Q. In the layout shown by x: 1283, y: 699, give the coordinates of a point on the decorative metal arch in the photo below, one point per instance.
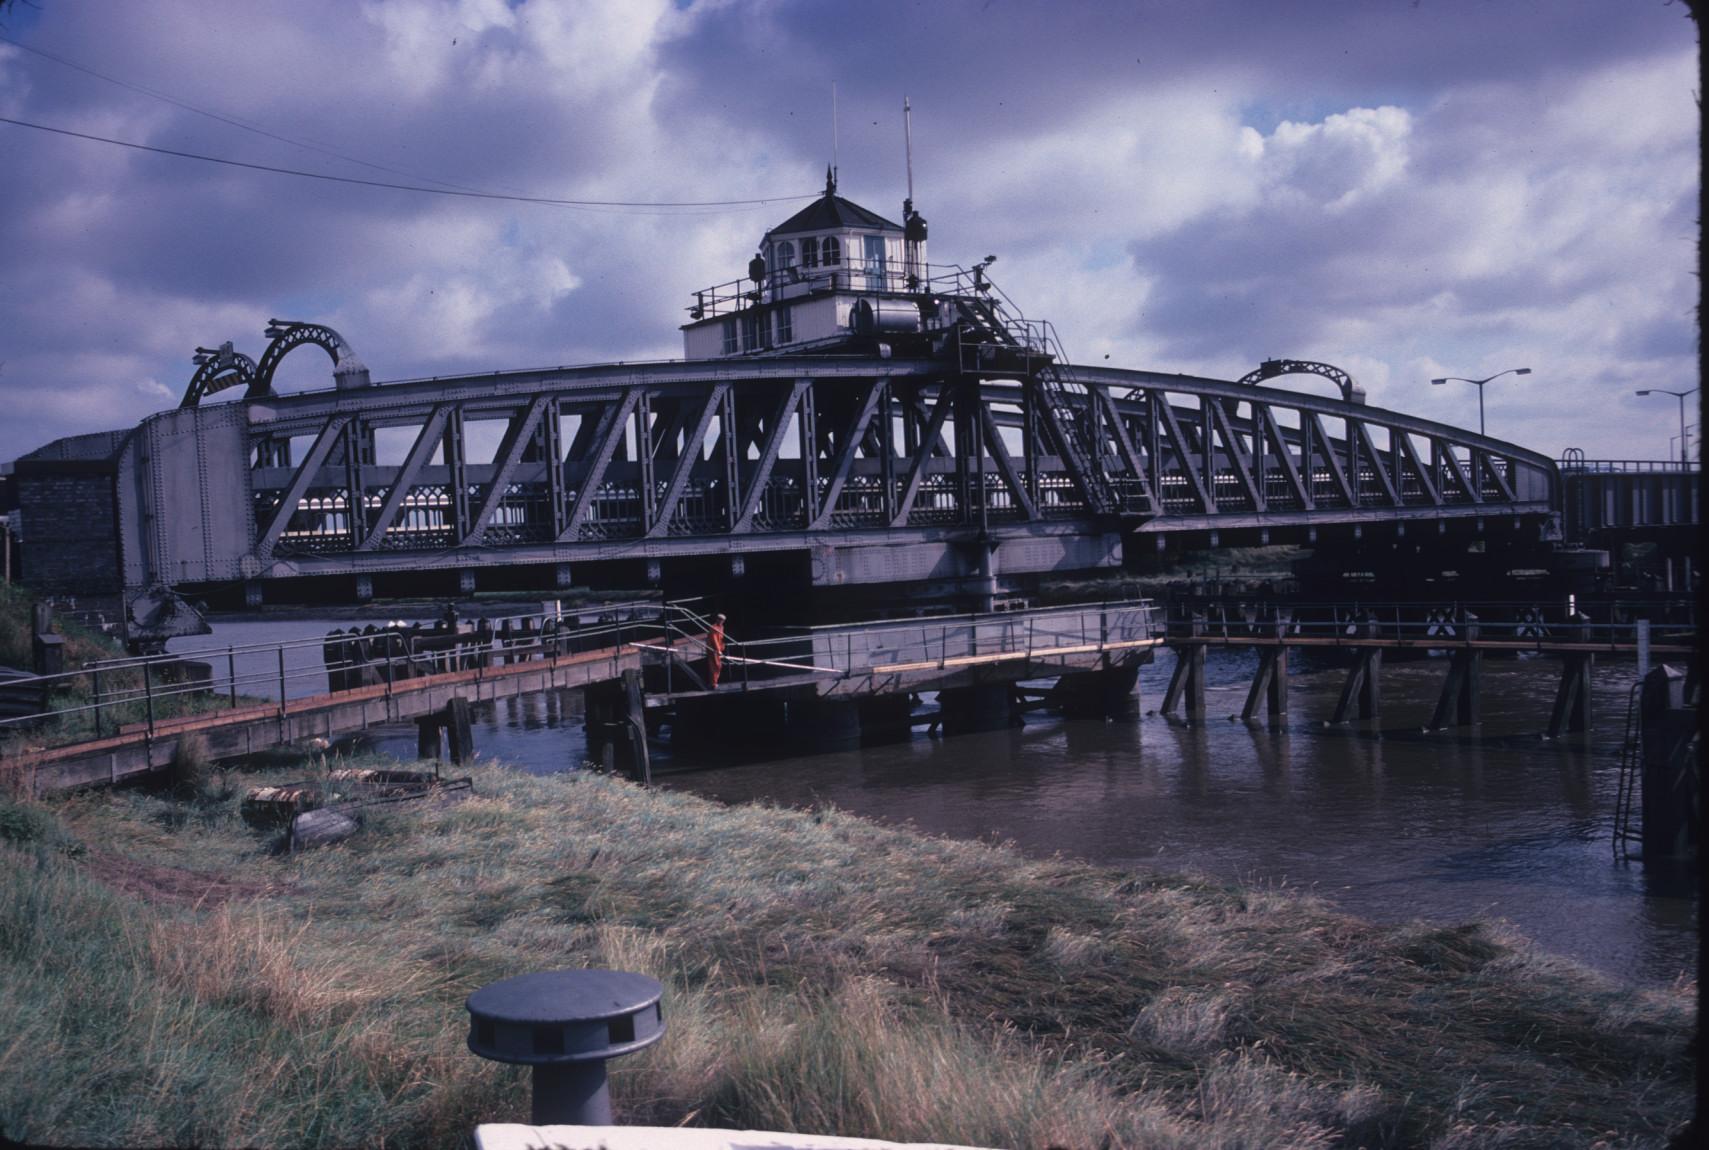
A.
x: 287, y: 335
x: 1270, y: 368
x: 217, y: 369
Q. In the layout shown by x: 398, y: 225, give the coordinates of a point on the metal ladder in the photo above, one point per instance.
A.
x: 1631, y: 766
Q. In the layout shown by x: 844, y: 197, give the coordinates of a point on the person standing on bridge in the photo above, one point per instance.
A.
x: 715, y: 651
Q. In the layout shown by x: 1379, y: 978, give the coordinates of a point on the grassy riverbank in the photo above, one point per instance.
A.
x: 165, y: 979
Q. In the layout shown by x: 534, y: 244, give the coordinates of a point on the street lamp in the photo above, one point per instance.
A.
x: 1679, y: 395
x: 1479, y: 384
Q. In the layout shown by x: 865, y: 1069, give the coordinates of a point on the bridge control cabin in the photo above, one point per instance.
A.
x: 832, y: 277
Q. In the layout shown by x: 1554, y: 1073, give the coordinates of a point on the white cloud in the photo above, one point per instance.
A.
x: 422, y: 40
x: 1334, y: 163
x: 1392, y: 238
x: 1185, y: 188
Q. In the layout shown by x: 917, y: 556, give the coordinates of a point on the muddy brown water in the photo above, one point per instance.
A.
x: 1383, y: 819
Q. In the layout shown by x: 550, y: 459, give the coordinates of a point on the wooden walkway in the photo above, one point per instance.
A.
x: 919, y: 674
x: 844, y: 662
x: 1361, y: 695
x: 247, y: 729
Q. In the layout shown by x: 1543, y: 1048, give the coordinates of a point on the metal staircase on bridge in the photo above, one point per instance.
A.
x: 984, y: 325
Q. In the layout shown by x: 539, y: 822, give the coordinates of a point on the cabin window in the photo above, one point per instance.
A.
x: 752, y: 328
x: 730, y: 347
x: 785, y: 325
x: 809, y: 253
x: 831, y: 252
x: 785, y: 257
x: 873, y: 257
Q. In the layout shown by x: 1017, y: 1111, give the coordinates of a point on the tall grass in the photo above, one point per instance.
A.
x: 822, y: 973
x: 16, y: 649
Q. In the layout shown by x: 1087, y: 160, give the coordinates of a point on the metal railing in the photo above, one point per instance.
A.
x: 125, y: 696
x: 1573, y: 465
x: 140, y: 695
x: 1534, y: 625
x: 854, y: 273
x: 924, y: 644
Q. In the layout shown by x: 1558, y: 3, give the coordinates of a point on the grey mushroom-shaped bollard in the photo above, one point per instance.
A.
x: 566, y: 1024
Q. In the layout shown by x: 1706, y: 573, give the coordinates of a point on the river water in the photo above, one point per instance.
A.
x: 1382, y: 819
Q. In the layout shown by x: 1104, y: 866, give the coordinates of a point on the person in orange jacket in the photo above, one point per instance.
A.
x: 715, y: 651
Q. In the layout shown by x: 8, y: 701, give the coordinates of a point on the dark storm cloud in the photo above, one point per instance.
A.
x: 1407, y: 188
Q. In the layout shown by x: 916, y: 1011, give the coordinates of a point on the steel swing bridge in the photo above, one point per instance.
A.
x: 976, y: 450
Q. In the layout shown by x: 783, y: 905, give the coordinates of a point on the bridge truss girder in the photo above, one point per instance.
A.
x: 776, y: 454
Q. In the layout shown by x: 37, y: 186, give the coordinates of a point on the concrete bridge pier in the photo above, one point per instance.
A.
x: 598, y: 716
x: 886, y: 718
x: 981, y: 707
x: 451, y: 727
x: 1109, y: 693
x: 1188, y: 681
x: 1457, y: 706
x: 1269, y: 685
x: 1364, y: 684
x: 1670, y: 798
x: 1571, y: 711
x: 818, y: 725
x: 718, y: 724
x: 616, y: 723
x: 1189, y: 677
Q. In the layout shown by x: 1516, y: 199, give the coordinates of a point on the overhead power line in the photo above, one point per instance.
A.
x: 466, y: 194
x: 225, y: 119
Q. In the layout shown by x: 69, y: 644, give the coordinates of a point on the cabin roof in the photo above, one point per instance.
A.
x: 830, y: 212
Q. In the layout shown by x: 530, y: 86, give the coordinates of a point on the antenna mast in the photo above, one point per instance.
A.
x: 908, y: 144
x: 833, y: 135
x: 913, y: 223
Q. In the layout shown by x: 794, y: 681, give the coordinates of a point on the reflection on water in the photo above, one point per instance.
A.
x: 1385, y: 820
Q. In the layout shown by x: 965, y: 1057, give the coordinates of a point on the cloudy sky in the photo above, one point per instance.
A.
x: 1405, y: 188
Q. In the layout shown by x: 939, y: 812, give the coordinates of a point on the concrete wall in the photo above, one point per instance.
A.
x: 68, y: 514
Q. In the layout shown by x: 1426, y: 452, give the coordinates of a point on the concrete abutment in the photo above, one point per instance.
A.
x: 980, y: 707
